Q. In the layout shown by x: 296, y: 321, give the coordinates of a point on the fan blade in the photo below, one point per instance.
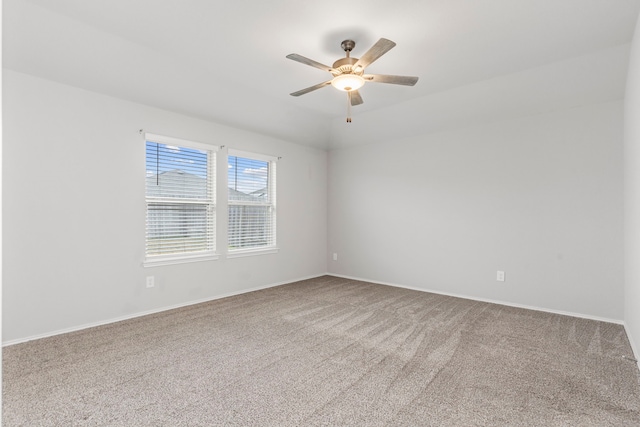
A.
x: 396, y: 80
x: 381, y: 47
x: 311, y: 88
x: 307, y: 61
x: 356, y: 99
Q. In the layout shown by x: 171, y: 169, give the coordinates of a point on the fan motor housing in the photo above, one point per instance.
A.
x: 345, y: 65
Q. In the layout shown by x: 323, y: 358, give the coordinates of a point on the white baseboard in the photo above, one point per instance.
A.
x: 505, y: 303
x: 634, y: 349
x: 147, y: 312
x: 230, y: 294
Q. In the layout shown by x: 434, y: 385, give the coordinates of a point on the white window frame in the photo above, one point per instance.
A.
x: 271, y: 204
x: 209, y: 254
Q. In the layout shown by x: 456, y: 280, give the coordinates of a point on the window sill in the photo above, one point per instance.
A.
x: 251, y: 252
x: 170, y: 260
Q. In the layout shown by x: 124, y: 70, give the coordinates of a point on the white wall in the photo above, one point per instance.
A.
x: 632, y: 195
x: 74, y: 212
x: 538, y: 197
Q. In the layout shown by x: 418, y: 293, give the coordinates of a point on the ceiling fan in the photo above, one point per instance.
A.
x: 348, y: 73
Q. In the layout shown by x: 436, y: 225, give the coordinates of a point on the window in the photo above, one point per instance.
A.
x: 180, y: 198
x: 252, y: 203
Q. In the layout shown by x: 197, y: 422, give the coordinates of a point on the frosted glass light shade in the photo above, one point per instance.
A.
x: 347, y: 82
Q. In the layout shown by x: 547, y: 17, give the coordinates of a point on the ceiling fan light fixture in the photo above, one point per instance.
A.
x: 347, y: 82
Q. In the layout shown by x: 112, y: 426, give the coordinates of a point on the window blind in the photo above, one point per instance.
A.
x: 252, y: 201
x: 180, y: 198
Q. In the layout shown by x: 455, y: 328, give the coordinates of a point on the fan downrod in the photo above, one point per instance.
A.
x: 347, y: 46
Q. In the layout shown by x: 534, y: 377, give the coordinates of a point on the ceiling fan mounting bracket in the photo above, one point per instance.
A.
x: 348, y: 46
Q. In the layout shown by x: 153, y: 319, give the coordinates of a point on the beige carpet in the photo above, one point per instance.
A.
x: 328, y: 351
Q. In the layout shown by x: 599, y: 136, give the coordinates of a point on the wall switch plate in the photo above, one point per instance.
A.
x: 335, y: 256
x: 150, y: 281
x: 500, y: 276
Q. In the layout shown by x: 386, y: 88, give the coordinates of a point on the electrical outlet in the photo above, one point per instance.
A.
x: 335, y: 256
x: 500, y: 276
x: 150, y: 281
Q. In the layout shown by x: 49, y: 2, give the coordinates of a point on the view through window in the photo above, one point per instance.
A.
x: 180, y: 199
x: 252, y: 213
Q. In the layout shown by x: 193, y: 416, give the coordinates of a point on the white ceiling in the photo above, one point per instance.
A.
x: 477, y: 60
